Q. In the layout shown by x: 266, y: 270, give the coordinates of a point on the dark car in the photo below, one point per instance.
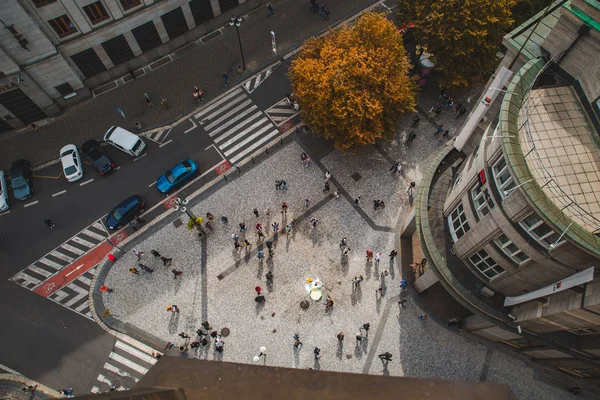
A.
x: 20, y: 179
x: 97, y: 157
x: 125, y: 211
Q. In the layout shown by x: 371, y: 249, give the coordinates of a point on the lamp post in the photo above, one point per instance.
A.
x: 263, y: 353
x: 237, y: 21
x: 181, y: 205
x: 561, y: 236
x: 509, y: 191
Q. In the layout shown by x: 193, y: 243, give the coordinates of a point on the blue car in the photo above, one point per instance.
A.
x: 125, y: 212
x: 177, y: 176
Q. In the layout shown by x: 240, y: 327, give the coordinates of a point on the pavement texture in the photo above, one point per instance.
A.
x: 197, y: 64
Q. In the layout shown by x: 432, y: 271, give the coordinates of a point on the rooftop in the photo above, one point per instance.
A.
x: 561, y: 141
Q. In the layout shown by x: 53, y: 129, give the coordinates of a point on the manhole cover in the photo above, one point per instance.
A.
x: 177, y: 223
x: 225, y: 332
x: 304, y: 304
x: 356, y: 176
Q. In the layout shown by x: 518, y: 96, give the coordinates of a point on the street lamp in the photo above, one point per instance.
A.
x: 263, y: 353
x: 561, y: 236
x: 181, y: 205
x: 236, y: 21
x: 509, y: 191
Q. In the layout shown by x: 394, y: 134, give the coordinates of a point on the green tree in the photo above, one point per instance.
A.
x: 463, y: 35
x: 353, y: 83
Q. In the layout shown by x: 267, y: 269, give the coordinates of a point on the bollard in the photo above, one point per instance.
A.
x: 281, y: 140
x: 267, y: 149
x: 252, y: 160
x: 225, y: 176
x: 238, y: 169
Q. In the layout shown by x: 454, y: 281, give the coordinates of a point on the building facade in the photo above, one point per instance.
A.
x: 53, y: 53
x: 509, y: 215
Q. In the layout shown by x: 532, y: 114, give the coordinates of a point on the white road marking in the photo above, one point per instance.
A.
x: 39, y: 271
x: 72, y: 249
x: 254, y: 146
x: 140, y: 157
x: 193, y: 127
x: 82, y: 242
x: 76, y: 269
x: 59, y: 193
x: 166, y: 143
x: 32, y: 203
x: 136, y: 352
x: 215, y: 131
x: 217, y: 103
x: 118, y: 168
x: 94, y: 235
x: 61, y: 256
x: 128, y: 363
x: 86, y: 182
x: 5, y: 212
x: 152, y: 184
x: 12, y: 371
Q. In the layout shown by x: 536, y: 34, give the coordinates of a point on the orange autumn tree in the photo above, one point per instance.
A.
x: 353, y: 84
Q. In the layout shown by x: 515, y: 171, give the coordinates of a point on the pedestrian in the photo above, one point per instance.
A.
x: 446, y: 134
x: 315, y: 7
x: 369, y: 254
x: 105, y: 288
x: 173, y: 308
x: 439, y: 129
x: 277, y: 185
x: 164, y: 103
x: 393, y: 254
x: 269, y: 277
x: 306, y: 203
x: 209, y: 216
x: 461, y: 112
x: 415, y: 122
x: 261, y: 235
x: 346, y: 252
x: 359, y: 337
x: 360, y: 279
x: 30, y: 388
x: 271, y: 11
x: 317, y: 353
x: 340, y: 336
x: 242, y: 226
x: 385, y: 357
x: 49, y: 223
x: 138, y: 254
x: 176, y: 273
x: 343, y: 242
x: 327, y: 14
x: 284, y: 207
x: 258, y: 289
x: 366, y: 326
x: 247, y: 244
x: 224, y: 219
x: 260, y: 299
x: 195, y: 345
x: 356, y: 200
x: 403, y: 284
x: 314, y: 221
x: 384, y: 273
x: 327, y: 188
x: 322, y: 10
x: 184, y: 335
x: 268, y: 212
x: 336, y: 194
x: 402, y: 303
x: 379, y: 292
x: 206, y: 325
x: 394, y: 165
x: 275, y: 226
x: 378, y: 257
x: 327, y: 176
x: 271, y: 252
x: 155, y: 253
x: 329, y: 303
x: 453, y: 321
x: 376, y: 204
x: 297, y: 342
x: 255, y: 211
x: 260, y: 255
x: 200, y: 333
x: 269, y: 244
x: 34, y: 127
x: 288, y: 229
x: 422, y: 317
x: 284, y: 185
x: 234, y: 237
x: 134, y: 271
x: 147, y: 98
x: 225, y: 79
x: 219, y: 343
x: 68, y: 392
x: 237, y: 245
x: 166, y: 261
x: 145, y: 268
x: 411, y: 136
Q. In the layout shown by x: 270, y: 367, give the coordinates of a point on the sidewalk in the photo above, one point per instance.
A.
x: 199, y: 64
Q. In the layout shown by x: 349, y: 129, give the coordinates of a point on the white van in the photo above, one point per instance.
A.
x: 125, y: 141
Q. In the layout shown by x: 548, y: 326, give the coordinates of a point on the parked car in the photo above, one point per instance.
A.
x: 20, y: 179
x: 3, y: 193
x: 97, y: 157
x: 125, y: 141
x: 177, y: 176
x: 71, y: 163
x: 125, y: 211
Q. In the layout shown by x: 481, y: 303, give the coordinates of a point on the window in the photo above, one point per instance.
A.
x: 127, y: 4
x: 509, y: 248
x: 486, y: 265
x: 65, y: 89
x: 41, y: 3
x: 456, y: 181
x: 539, y: 230
x: 62, y: 26
x: 586, y: 331
x: 504, y: 180
x: 480, y: 198
x: 96, y: 12
x: 457, y: 221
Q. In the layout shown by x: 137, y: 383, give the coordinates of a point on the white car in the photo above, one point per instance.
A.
x: 3, y: 193
x: 71, y: 163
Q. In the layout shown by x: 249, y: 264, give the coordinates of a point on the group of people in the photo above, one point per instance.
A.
x: 198, y: 94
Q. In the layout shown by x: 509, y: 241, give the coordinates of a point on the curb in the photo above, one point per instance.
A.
x: 26, y: 382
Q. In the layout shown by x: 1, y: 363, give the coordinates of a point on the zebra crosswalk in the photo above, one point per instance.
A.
x: 159, y: 136
x: 75, y: 295
x: 236, y: 125
x: 127, y: 363
x: 281, y: 112
x: 60, y: 257
x: 257, y: 79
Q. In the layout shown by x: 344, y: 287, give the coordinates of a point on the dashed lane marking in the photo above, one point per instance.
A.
x: 152, y: 184
x: 31, y: 204
x: 59, y: 193
x: 86, y: 182
x: 166, y: 143
x: 140, y: 157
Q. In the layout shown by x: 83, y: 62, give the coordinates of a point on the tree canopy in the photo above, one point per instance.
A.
x: 463, y: 35
x: 353, y: 83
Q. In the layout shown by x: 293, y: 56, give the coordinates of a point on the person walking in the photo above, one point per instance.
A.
x: 394, y: 165
x: 258, y: 289
x: 225, y: 79
x: 327, y: 188
x: 439, y: 129
x: 402, y: 303
x: 346, y: 252
x: 184, y: 335
x: 343, y: 242
x: 378, y: 257
x: 393, y: 254
x: 284, y: 185
x: 164, y: 103
x: 317, y: 353
x: 315, y: 7
x: 138, y: 254
x: 155, y: 253
x: 306, y: 203
x: 176, y: 273
x: 147, y: 99
x: 134, y: 271
x: 403, y: 284
x: 327, y: 13
x: 369, y: 253
x: 356, y: 201
x: 297, y: 342
x: 105, y: 288
x: 376, y: 204
x: 219, y: 343
x: 340, y: 336
x: 237, y: 246
x: 268, y: 212
x: 49, y: 223
x: 242, y: 226
x: 422, y: 317
x: 255, y: 211
x: 284, y: 208
x: 224, y: 219
x: 415, y: 122
x: 385, y: 357
x: 359, y: 337
x: 277, y: 185
x: 173, y: 308
x: 461, y: 112
x: 145, y: 268
x: 329, y: 303
x: 166, y: 261
x: 366, y: 326
x: 411, y: 136
x: 271, y: 10
x: 247, y: 244
x: 260, y: 234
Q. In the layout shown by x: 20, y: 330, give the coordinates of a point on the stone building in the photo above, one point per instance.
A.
x: 53, y: 53
x: 508, y: 217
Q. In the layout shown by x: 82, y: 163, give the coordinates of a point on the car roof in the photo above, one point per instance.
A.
x: 122, y: 136
x: 128, y: 201
x: 89, y: 145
